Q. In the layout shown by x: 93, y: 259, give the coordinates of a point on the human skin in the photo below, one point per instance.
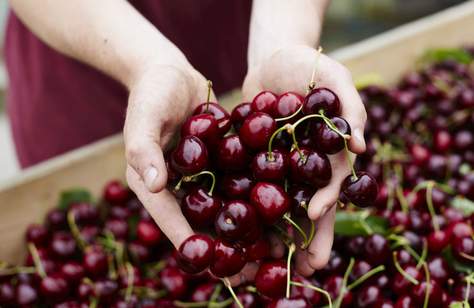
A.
x: 165, y: 88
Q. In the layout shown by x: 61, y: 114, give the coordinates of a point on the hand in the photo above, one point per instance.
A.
x: 290, y: 69
x: 161, y: 97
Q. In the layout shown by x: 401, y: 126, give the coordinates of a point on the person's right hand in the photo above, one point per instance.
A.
x: 161, y: 97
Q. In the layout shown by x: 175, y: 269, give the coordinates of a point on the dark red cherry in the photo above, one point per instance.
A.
x: 248, y: 300
x: 439, y: 269
x: 239, y: 114
x: 200, y: 208
x: 435, y: 293
x: 84, y: 213
x: 26, y: 295
x: 270, y: 279
x: 327, y: 140
x: 264, y: 102
x: 148, y: 233
x: 196, y: 253
x: 63, y: 245
x: 95, y: 261
x: 459, y: 230
x: 105, y: 290
x: 377, y: 250
x: 464, y: 140
x: 7, y: 294
x: 231, y: 154
x: 118, y: 227
x: 203, y: 126
x: 54, y: 288
x: 259, y: 250
x: 333, y: 285
x: 37, y: 234
x: 270, y: 166
x: 437, y: 166
x: 293, y: 302
x: 220, y: 114
x: 138, y: 252
x: 116, y: 193
x: 300, y: 196
x: 174, y: 281
x: 119, y: 212
x: 404, y: 257
x: 405, y: 301
x: 312, y: 296
x: 310, y: 167
x: 228, y: 260
x: 287, y: 104
x: 420, y: 154
x: 203, y: 292
x: 368, y: 296
x: 257, y: 130
x: 236, y: 186
x: 190, y: 156
x: 72, y: 271
x: 56, y: 219
x: 360, y: 268
x: 322, y: 99
x: 437, y: 241
x: 442, y: 141
x: 270, y: 200
x: 400, y: 285
x: 236, y: 221
x: 463, y: 248
x: 362, y: 191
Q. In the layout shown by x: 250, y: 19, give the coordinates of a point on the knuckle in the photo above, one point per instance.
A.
x: 133, y: 151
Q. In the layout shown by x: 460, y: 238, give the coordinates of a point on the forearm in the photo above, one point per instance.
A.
x: 276, y: 24
x: 110, y: 35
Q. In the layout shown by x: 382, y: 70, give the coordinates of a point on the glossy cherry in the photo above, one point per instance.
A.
x: 54, y: 288
x: 299, y: 197
x: 231, y: 154
x: 326, y: 139
x: 196, y: 253
x: 203, y: 126
x: 37, y: 235
x: 26, y: 295
x: 287, y: 104
x: 322, y: 99
x: 95, y: 261
x: 236, y: 186
x: 333, y: 286
x: 270, y: 201
x: 368, y: 296
x: 72, y: 271
x: 270, y: 166
x: 228, y: 260
x: 236, y: 220
x: 62, y: 245
x: 118, y: 227
x: 270, y: 279
x: 362, y: 191
x: 190, y: 156
x: 377, y: 250
x: 400, y: 285
x: 258, y: 250
x: 239, y: 114
x: 220, y: 114
x: 437, y: 241
x: 312, y: 296
x: 264, y: 102
x: 199, y: 208
x: 294, y: 302
x: 463, y: 249
x: 257, y: 130
x: 310, y: 167
x: 174, y: 281
x: 116, y: 193
x: 148, y: 233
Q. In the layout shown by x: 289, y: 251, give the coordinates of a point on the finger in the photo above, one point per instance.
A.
x: 327, y: 196
x: 251, y: 86
x: 320, y: 248
x: 277, y: 247
x: 301, y: 255
x: 247, y: 274
x: 163, y: 208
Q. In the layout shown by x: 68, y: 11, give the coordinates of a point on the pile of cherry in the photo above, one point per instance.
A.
x: 246, y: 176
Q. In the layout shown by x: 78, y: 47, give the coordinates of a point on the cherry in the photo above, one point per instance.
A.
x: 54, y: 288
x: 437, y: 241
x: 442, y: 141
x: 270, y: 166
x: 377, y: 250
x: 105, y: 290
x: 116, y: 193
x: 62, y: 245
x: 190, y: 156
x: 174, y: 282
x: 220, y: 114
x: 119, y: 212
x: 361, y: 191
x: 231, y: 154
x: 228, y: 260
x: 72, y: 271
x: 195, y: 253
x: 248, y: 300
x: 300, y: 197
x: 56, y: 219
x: 270, y: 201
x: 437, y: 166
x: 435, y: 293
x: 203, y: 292
x: 420, y: 154
x: 138, y: 251
x: 360, y: 268
x: 404, y: 257
x: 322, y: 99
x: 259, y: 250
x: 264, y: 102
x: 257, y: 130
x: 200, y: 208
x: 37, y: 235
x: 26, y: 295
x: 310, y: 167
x: 335, y: 265
x: 239, y: 114
x: 439, y: 269
x: 7, y: 294
x: 89, y: 233
x: 383, y: 303
x: 95, y: 261
x: 118, y: 227
x: 405, y: 301
x: 459, y: 230
x: 312, y: 296
x: 399, y: 219
x: 294, y: 302
x: 85, y: 290
x: 235, y: 221
x: 333, y: 285
x: 287, y: 104
x: 355, y: 245
x: 237, y: 186
x: 463, y: 248
x: 270, y: 279
x: 464, y: 140
x: 327, y: 140
x: 368, y: 296
x: 203, y: 126
x: 420, y: 221
x: 148, y: 233
x: 400, y: 285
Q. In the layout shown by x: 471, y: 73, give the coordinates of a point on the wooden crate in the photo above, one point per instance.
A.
x: 27, y: 198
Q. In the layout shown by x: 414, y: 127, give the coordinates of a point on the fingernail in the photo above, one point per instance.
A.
x: 359, y: 136
x: 150, y: 176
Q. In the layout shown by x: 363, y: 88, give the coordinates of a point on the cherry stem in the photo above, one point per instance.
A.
x: 285, y: 237
x: 402, y: 271
x: 130, y: 280
x: 428, y: 286
x: 17, y: 270
x: 366, y: 276
x: 215, y: 293
x: 291, y: 116
x: 308, y: 286
x: 312, y: 83
x: 305, y: 243
x: 270, y: 142
x: 112, y: 270
x: 36, y: 260
x: 93, y: 302
x: 344, y: 283
x: 429, y: 203
x: 291, y: 251
x: 209, y: 89
x: 469, y: 279
x: 423, y: 256
x: 71, y: 220
x: 231, y: 291
x: 208, y: 304
x: 466, y: 256
x: 189, y: 178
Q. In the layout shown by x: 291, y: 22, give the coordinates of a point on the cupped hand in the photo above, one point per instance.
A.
x: 290, y: 69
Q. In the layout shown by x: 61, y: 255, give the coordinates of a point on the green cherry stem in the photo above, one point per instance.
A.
x: 270, y: 142
x: 344, y: 283
x: 366, y: 276
x: 209, y: 89
x: 402, y: 271
x: 428, y: 286
x: 423, y: 256
x: 308, y: 286
x: 291, y: 116
x: 36, y: 260
x: 189, y: 178
x: 312, y: 83
x: 215, y: 294
x: 291, y: 251
x: 18, y: 270
x: 429, y: 203
x: 305, y: 243
x: 130, y: 280
x: 71, y: 220
x: 231, y: 291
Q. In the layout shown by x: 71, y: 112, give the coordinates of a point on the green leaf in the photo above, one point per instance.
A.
x: 442, y: 54
x: 73, y: 196
x: 358, y: 223
x: 459, y: 305
x: 454, y: 263
x: 463, y: 204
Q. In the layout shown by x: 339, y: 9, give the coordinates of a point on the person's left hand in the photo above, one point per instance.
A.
x: 290, y: 69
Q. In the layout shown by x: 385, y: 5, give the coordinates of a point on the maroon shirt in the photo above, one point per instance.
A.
x: 56, y: 104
